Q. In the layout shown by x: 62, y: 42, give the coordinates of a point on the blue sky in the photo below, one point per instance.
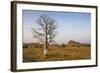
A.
x: 71, y: 25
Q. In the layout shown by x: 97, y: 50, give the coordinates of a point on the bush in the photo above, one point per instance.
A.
x: 63, y: 45
x: 25, y: 46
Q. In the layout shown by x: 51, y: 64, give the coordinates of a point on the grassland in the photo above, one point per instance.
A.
x: 56, y: 54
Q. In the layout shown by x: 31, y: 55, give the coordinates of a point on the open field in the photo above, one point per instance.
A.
x: 56, y: 54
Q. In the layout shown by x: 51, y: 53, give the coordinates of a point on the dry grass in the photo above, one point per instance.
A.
x: 56, y: 54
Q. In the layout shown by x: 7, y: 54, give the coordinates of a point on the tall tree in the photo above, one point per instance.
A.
x: 46, y: 31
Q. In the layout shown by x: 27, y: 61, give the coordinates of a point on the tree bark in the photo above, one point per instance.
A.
x: 46, y: 43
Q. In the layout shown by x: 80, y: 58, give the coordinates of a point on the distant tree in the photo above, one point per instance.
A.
x: 63, y: 45
x: 46, y: 31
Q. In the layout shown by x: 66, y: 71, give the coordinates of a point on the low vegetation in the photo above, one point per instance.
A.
x: 56, y: 53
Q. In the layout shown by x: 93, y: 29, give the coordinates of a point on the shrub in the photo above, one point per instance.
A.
x: 63, y: 45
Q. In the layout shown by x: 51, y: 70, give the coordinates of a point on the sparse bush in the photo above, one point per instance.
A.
x: 63, y: 45
x: 25, y: 46
x: 35, y: 46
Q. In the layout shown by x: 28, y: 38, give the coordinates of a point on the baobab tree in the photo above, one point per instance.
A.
x: 46, y: 31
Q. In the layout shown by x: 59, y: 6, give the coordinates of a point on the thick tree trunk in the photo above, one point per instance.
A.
x: 45, y: 46
x: 46, y: 42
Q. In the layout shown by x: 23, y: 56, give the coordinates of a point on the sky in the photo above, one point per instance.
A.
x: 71, y: 25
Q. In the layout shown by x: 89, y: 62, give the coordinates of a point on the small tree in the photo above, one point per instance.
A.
x: 63, y: 45
x: 46, y: 31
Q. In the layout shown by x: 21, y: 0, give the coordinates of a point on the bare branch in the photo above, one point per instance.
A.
x: 46, y: 31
